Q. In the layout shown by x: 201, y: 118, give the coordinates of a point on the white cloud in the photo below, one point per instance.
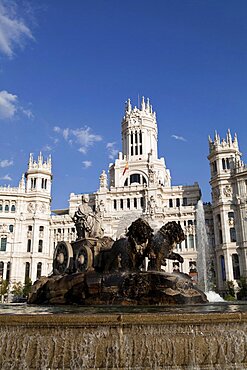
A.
x: 6, y: 177
x: 13, y: 30
x: 112, y: 151
x: 6, y: 163
x: 27, y: 112
x: 47, y: 148
x: 87, y: 164
x: 176, y: 137
x: 82, y: 137
x: 56, y: 129
x: 8, y: 104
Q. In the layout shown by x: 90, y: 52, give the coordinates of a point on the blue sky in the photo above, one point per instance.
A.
x: 67, y: 68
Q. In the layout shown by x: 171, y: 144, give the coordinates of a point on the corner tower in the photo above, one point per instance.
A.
x: 38, y: 175
x: 225, y: 159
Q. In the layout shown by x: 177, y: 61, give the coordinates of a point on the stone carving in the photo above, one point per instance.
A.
x: 216, y: 193
x: 103, y: 180
x: 163, y: 243
x: 227, y: 191
x: 127, y: 254
x: 87, y: 222
x: 100, y: 271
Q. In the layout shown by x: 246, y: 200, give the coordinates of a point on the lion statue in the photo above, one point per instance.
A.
x: 163, y: 243
x: 127, y: 254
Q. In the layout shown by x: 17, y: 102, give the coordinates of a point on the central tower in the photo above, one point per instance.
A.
x: 138, y: 163
x: 139, y: 131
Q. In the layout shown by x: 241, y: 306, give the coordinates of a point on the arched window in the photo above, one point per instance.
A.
x: 1, y: 207
x: 6, y: 208
x: 135, y: 203
x: 39, y: 270
x: 11, y: 228
x: 13, y: 208
x: 135, y: 178
x: 27, y: 270
x: 128, y: 202
x: 170, y: 203
x: 29, y: 243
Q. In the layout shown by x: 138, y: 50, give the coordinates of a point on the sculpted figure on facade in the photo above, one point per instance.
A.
x: 103, y: 180
x: 87, y: 222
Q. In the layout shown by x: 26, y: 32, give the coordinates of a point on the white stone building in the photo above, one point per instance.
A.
x: 25, y: 224
x: 229, y: 209
x: 139, y: 185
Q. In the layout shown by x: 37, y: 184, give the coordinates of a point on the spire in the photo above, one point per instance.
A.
x: 30, y: 162
x: 22, y: 182
x: 235, y: 141
x: 128, y: 106
x: 148, y: 105
x: 143, y: 104
x: 40, y: 159
x: 229, y: 137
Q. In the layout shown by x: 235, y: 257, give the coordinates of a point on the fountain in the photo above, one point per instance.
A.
x: 205, y: 257
x: 124, y: 317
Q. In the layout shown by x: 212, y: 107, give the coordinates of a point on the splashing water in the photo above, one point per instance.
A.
x: 204, y: 257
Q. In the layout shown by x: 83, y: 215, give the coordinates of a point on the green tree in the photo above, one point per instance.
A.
x: 242, y: 294
x: 4, y: 287
x: 17, y: 289
x: 27, y: 286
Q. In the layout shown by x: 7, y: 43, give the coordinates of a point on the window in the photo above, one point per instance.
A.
x: 1, y: 268
x: 177, y: 202
x: 223, y: 163
x: 170, y: 203
x: 41, y: 228
x: 8, y: 271
x: 30, y: 228
x: 115, y: 204
x: 135, y: 178
x: 128, y: 203
x: 135, y: 203
x: 214, y: 167
x: 13, y: 208
x: 39, y: 269
x: 121, y: 203
x: 142, y: 202
x: 185, y: 202
x: 191, y: 241
x: 235, y: 266
x: 3, y: 244
x: 192, y: 266
x: 27, y: 270
x: 11, y: 228
x: 29, y: 243
x: 40, y: 247
x: 223, y: 269
x: 126, y: 183
x: 6, y: 208
x: 1, y: 207
x: 233, y: 234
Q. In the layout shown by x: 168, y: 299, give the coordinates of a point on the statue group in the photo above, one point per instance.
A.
x: 128, y: 253
x: 95, y: 269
